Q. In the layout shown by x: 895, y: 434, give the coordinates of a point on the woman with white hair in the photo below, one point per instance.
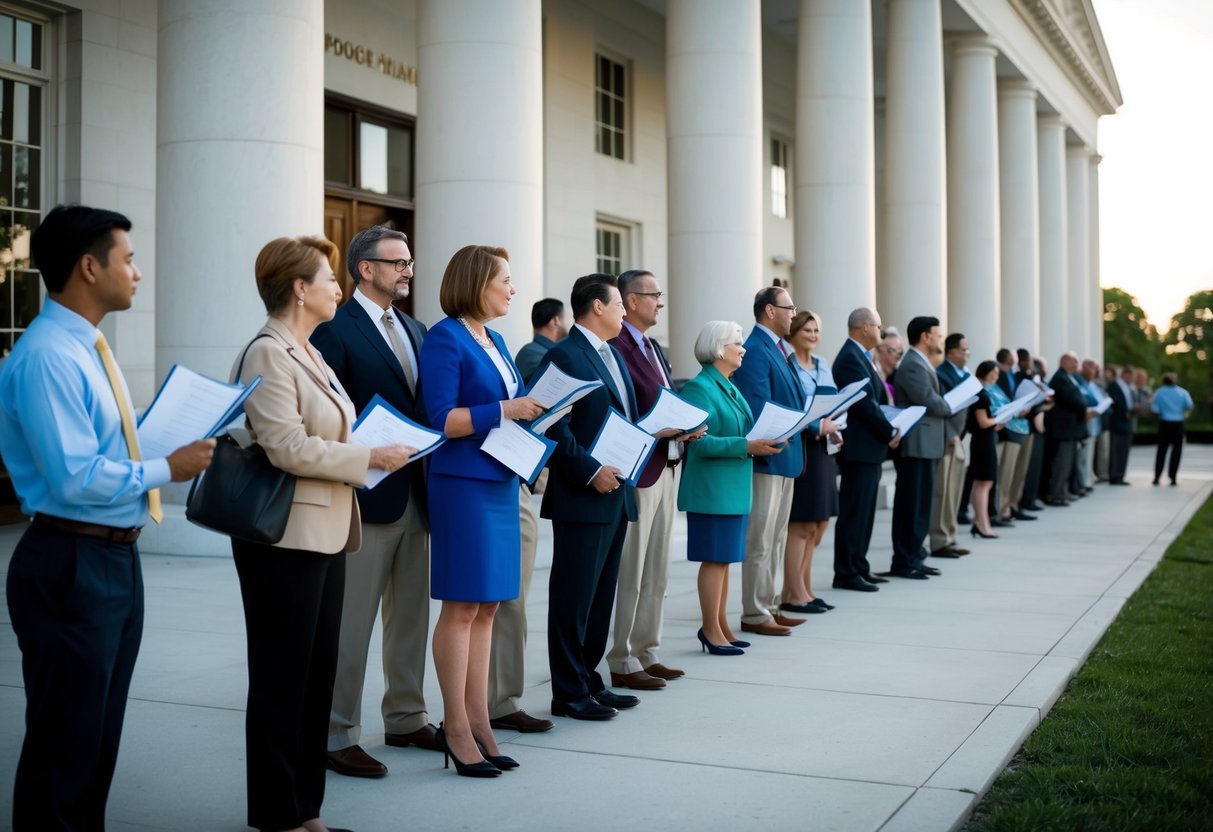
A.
x: 715, y: 490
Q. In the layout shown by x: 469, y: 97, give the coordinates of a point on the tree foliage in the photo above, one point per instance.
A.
x: 1129, y: 338
x: 1187, y: 347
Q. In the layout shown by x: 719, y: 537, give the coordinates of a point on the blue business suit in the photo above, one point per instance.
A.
x: 475, y: 553
x: 587, y: 527
x: 765, y: 376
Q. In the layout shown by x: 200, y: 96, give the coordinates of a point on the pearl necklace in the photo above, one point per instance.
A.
x: 479, y: 339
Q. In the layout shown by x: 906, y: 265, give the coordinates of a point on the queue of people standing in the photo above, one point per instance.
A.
x: 460, y: 527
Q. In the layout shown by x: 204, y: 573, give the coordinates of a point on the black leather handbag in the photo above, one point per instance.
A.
x: 242, y: 494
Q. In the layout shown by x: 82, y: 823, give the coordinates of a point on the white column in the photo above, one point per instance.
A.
x: 835, y: 164
x: 480, y: 146
x: 1019, y: 214
x: 1096, y: 288
x: 1054, y: 298
x: 714, y: 167
x: 239, y: 161
x: 913, y: 280
x: 973, y: 230
x: 1078, y: 249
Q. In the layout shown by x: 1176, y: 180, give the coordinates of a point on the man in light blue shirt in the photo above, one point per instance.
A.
x: 75, y: 592
x: 1172, y: 403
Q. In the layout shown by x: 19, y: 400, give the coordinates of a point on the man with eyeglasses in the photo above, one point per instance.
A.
x: 887, y: 355
x: 373, y: 348
x: 765, y: 376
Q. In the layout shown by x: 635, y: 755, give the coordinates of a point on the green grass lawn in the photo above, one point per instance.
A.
x: 1129, y: 746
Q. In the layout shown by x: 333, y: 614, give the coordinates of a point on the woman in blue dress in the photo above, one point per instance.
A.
x: 468, y: 385
x: 815, y: 492
x: 983, y: 454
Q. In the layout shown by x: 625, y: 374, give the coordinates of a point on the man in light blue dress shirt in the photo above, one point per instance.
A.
x: 75, y: 591
x: 1172, y: 403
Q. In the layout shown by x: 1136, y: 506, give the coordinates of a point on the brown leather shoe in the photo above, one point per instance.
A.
x: 766, y: 628
x: 424, y: 737
x: 354, y: 762
x: 523, y: 723
x: 662, y: 672
x: 640, y: 680
x: 786, y: 621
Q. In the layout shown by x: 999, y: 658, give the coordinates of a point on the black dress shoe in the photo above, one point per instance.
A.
x: 354, y: 762
x: 1057, y: 502
x: 817, y: 602
x: 930, y: 570
x: 858, y: 584
x: 912, y: 574
x: 875, y: 579
x: 587, y: 708
x: 618, y: 701
x: 1022, y: 515
x: 999, y: 523
x: 1033, y: 506
x: 945, y: 552
x: 806, y: 608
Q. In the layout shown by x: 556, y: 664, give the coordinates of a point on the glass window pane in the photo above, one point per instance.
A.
x: 23, y: 225
x: 617, y: 87
x: 337, y: 146
x: 6, y: 109
x: 6, y: 38
x: 27, y: 177
x: 372, y: 158
x: 26, y: 33
x: 617, y: 122
x: 21, y: 113
x: 25, y: 298
x: 399, y: 161
x: 6, y: 175
x: 604, y: 73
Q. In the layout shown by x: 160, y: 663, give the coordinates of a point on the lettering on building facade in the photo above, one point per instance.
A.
x: 365, y: 56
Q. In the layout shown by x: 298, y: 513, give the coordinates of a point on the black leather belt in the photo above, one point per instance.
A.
x: 110, y: 534
x: 673, y: 463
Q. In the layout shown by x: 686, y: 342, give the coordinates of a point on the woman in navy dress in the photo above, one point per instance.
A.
x: 469, y: 386
x: 982, y: 448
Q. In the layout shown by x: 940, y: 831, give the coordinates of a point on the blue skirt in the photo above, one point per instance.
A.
x: 716, y: 538
x: 475, y: 548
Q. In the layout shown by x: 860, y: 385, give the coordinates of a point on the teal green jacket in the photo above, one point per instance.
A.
x: 716, y: 478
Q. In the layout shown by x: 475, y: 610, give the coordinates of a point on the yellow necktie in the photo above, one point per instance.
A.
x: 128, y: 421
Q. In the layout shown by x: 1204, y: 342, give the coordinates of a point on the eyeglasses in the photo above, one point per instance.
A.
x: 791, y: 308
x: 657, y: 295
x: 400, y: 265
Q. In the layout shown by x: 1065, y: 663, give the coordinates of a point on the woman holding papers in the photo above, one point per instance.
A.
x: 715, y: 490
x: 984, y: 462
x: 293, y: 589
x: 815, y: 493
x: 475, y: 553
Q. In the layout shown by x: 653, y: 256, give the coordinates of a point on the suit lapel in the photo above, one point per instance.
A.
x: 328, y: 384
x: 363, y: 323
x: 599, y: 365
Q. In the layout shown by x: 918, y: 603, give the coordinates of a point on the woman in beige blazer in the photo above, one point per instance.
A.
x: 292, y: 590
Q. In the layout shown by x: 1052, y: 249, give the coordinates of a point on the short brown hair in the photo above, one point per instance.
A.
x: 466, y: 276
x: 801, y: 319
x: 286, y: 259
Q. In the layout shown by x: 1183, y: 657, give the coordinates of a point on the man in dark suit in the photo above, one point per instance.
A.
x: 765, y: 376
x: 643, y: 569
x: 1066, y: 425
x: 589, y: 506
x: 1120, y: 426
x: 950, y: 471
x: 547, y: 320
x: 916, y: 384
x: 373, y: 348
x: 869, y: 436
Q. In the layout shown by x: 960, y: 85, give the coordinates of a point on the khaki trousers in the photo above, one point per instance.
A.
x: 507, y: 653
x: 1008, y: 456
x: 1022, y: 463
x: 765, y: 539
x: 1103, y: 444
x: 945, y: 497
x: 643, y: 575
x: 393, y: 565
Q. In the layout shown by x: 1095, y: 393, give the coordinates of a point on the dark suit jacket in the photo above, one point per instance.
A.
x: 1121, y: 419
x: 765, y: 376
x: 1067, y: 419
x: 648, y: 384
x: 365, y: 365
x: 569, y: 497
x: 949, y: 377
x: 528, y: 358
x: 868, y: 432
x: 916, y: 384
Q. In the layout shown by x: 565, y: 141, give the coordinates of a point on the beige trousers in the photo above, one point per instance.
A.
x: 1022, y: 462
x: 1008, y: 456
x: 643, y: 575
x: 508, y: 651
x: 393, y: 565
x: 945, y: 497
x: 765, y: 539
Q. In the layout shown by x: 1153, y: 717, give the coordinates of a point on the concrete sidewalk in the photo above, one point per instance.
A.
x: 892, y: 712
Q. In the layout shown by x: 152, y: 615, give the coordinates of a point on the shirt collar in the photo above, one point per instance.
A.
x: 636, y: 334
x: 75, y: 323
x: 769, y: 333
x: 594, y: 340
x: 374, y: 310
x: 866, y: 352
x: 923, y: 355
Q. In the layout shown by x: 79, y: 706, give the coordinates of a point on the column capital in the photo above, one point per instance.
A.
x: 1050, y: 120
x: 1016, y: 88
x: 973, y: 44
x: 1096, y: 159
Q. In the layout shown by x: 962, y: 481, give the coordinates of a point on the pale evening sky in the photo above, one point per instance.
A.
x: 1156, y: 177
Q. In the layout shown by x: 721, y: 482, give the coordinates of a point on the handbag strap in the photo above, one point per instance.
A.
x: 240, y: 368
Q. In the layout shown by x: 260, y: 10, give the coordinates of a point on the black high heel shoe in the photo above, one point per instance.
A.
x: 718, y: 649
x: 500, y: 760
x: 481, y: 769
x: 976, y: 532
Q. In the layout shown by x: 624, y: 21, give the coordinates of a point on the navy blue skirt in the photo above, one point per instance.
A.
x: 475, y: 548
x: 716, y: 538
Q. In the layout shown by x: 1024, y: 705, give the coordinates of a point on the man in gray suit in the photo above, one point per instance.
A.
x: 915, y: 383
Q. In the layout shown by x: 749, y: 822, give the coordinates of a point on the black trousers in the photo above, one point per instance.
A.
x: 1170, y: 435
x: 912, y: 510
x: 1118, y: 455
x: 292, y: 613
x: 857, y: 490
x: 581, y: 594
x: 76, y: 605
x: 1031, y: 482
x: 1065, y: 457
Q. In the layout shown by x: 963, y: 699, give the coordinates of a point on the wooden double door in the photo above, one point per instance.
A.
x: 346, y: 216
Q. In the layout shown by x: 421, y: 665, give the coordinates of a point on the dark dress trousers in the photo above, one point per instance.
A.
x: 916, y: 384
x: 587, y: 527
x: 865, y: 448
x: 1066, y: 426
x: 1120, y: 426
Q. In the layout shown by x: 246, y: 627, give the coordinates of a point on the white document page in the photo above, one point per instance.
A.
x: 672, y: 411
x: 518, y: 449
x: 903, y: 418
x: 1104, y: 404
x: 777, y: 422
x: 188, y: 406
x: 380, y: 424
x: 963, y: 394
x: 623, y: 445
x: 554, y: 387
x: 541, y: 425
x: 835, y: 404
x: 1007, y: 412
